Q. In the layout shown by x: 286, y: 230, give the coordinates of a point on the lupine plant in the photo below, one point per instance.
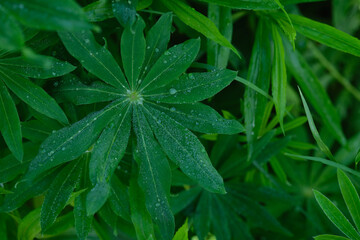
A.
x: 173, y: 119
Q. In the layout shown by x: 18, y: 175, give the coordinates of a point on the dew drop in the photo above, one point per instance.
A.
x: 172, y: 91
x: 172, y: 109
x: 157, y: 50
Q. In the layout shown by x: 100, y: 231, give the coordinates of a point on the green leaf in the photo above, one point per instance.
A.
x: 140, y: 217
x: 259, y: 75
x: 133, y: 51
x: 314, y: 91
x: 171, y: 64
x: 97, y: 197
x: 185, y: 150
x: 59, y: 193
x: 43, y: 67
x: 199, y: 117
x: 70, y: 142
x: 74, y: 91
x: 199, y: 22
x: 11, y: 37
x: 326, y: 162
x: 314, y: 131
x: 105, y: 157
x: 10, y: 167
x: 125, y: 12
x: 119, y: 199
x: 330, y: 237
x: 95, y: 58
x: 48, y: 15
x: 157, y: 39
x: 29, y: 226
x: 278, y: 76
x: 24, y: 191
x: 193, y: 87
x: 82, y: 221
x: 326, y: 35
x: 154, y: 175
x: 350, y: 196
x: 10, y: 123
x: 336, y: 216
x: 184, y: 199
x: 217, y: 55
x: 202, y: 216
x: 246, y: 4
x: 182, y: 232
x: 33, y: 95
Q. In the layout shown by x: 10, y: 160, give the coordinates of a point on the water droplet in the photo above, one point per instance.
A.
x: 165, y: 61
x: 129, y: 2
x: 167, y: 53
x: 56, y: 84
x: 148, y: 47
x: 191, y: 76
x: 157, y: 204
x: 87, y: 41
x: 63, y: 148
x: 172, y: 91
x: 172, y: 109
x: 53, y: 73
x: 157, y: 50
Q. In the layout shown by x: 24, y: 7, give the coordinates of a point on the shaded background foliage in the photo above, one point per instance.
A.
x: 269, y: 178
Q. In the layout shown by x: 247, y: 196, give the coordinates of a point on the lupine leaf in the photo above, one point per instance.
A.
x: 59, y: 193
x: 33, y: 95
x: 133, y: 51
x: 10, y: 123
x: 193, y: 87
x: 156, y: 41
x: 335, y: 216
x: 200, y: 117
x: 350, y: 196
x: 48, y: 15
x: 185, y: 150
x: 45, y: 67
x: 95, y: 58
x: 72, y: 90
x: 171, y: 64
x: 70, y: 142
x: 154, y: 175
x: 106, y: 156
x: 125, y: 11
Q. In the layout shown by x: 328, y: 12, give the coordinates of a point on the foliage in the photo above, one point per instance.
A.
x: 121, y: 119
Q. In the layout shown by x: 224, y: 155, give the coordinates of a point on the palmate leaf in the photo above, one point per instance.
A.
x: 155, y: 124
